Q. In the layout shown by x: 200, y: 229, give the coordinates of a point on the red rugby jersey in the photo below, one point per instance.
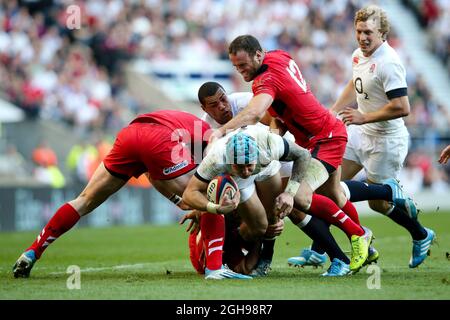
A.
x: 305, y: 117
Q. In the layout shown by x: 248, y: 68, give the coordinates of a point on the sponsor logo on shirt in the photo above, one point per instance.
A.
x: 372, y: 68
x: 179, y: 166
x: 355, y: 60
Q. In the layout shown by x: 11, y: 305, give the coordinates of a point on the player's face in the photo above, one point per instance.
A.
x: 218, y: 107
x: 368, y: 36
x: 247, y: 66
x: 243, y: 171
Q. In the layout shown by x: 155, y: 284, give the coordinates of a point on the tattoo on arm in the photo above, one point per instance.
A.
x: 301, y: 158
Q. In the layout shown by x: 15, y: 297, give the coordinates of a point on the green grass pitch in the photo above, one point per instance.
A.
x: 152, y: 262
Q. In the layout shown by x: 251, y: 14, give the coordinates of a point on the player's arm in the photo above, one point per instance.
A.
x: 396, y: 108
x: 346, y: 99
x: 301, y: 158
x: 266, y: 119
x: 171, y: 189
x: 251, y: 114
x: 195, y: 196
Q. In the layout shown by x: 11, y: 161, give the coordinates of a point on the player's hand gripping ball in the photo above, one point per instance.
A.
x: 219, y: 187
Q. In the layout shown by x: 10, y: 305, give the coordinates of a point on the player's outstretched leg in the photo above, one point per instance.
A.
x: 98, y: 189
x: 64, y: 219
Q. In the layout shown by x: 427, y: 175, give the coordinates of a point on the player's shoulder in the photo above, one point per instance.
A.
x: 389, y: 63
x: 209, y: 120
x: 278, y: 53
x: 236, y: 96
x: 255, y: 129
x: 356, y: 53
x: 239, y: 100
x: 272, y: 69
x: 276, y: 57
x: 215, y: 155
x: 386, y: 55
x: 260, y: 133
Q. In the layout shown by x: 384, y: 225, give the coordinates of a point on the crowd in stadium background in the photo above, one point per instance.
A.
x: 75, y: 77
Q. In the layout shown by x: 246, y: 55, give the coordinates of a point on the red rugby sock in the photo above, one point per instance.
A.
x: 212, y: 227
x: 350, y: 210
x: 326, y: 209
x: 64, y: 219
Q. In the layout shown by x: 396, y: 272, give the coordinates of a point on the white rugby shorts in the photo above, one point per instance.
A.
x: 381, y: 157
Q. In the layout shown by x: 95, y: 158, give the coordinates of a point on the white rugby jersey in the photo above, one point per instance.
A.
x: 238, y: 101
x: 271, y: 147
x: 376, y: 78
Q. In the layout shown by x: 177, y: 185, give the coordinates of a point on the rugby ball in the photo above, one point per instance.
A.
x: 220, y: 186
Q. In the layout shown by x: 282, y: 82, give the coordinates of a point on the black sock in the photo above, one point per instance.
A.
x: 316, y: 246
x: 323, y: 240
x: 402, y: 218
x: 360, y: 191
x: 267, y: 249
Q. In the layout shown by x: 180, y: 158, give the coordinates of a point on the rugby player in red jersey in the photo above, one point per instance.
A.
x: 278, y: 87
x: 162, y: 144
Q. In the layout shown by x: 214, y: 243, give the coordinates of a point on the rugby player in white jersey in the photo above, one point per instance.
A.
x: 251, y: 155
x: 220, y: 108
x: 377, y: 135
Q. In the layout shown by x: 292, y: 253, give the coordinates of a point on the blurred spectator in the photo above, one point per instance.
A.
x: 77, y: 76
x: 426, y: 11
x: 13, y: 164
x: 434, y: 16
x: 49, y: 175
x: 78, y: 159
x: 46, y: 169
x: 141, y: 182
x: 44, y: 156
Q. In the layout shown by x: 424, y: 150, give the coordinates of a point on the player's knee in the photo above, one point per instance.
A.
x: 303, y: 201
x: 257, y: 232
x: 303, y: 198
x: 337, y: 194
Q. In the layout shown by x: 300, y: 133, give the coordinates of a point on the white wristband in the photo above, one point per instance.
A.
x: 292, y: 187
x: 212, y: 207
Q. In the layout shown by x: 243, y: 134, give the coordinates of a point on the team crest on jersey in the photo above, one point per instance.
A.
x: 179, y: 166
x: 355, y: 60
x: 372, y: 68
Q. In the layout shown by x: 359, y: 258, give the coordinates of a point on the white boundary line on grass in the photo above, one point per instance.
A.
x: 161, y: 264
x: 118, y: 267
x: 122, y: 267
